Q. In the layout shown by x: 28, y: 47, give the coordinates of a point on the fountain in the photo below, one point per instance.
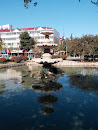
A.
x: 46, y: 46
x: 47, y: 77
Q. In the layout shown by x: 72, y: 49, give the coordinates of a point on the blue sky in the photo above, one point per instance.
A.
x: 66, y: 16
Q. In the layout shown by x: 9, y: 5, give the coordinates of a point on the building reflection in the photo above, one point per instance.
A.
x: 10, y: 74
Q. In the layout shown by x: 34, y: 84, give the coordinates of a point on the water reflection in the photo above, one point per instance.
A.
x: 23, y: 104
x: 83, y: 78
x: 84, y: 82
x: 18, y: 75
x: 2, y: 87
x: 10, y: 74
x: 48, y: 101
x: 47, y: 87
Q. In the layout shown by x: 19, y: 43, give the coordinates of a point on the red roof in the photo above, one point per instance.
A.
x: 7, y: 30
x: 20, y: 29
x: 46, y: 28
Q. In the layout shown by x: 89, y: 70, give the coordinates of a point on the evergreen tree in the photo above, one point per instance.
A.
x: 26, y: 41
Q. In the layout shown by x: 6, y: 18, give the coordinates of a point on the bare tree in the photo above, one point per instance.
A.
x: 96, y: 3
x: 26, y: 2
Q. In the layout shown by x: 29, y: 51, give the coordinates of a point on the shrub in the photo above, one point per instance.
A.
x: 62, y: 56
x: 24, y: 58
x: 16, y: 59
x: 54, y: 56
x: 2, y: 60
x: 37, y: 56
x: 13, y: 58
x: 19, y: 59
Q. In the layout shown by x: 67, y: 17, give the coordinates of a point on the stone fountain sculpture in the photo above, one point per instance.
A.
x: 46, y: 46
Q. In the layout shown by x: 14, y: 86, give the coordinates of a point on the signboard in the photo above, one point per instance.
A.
x: 14, y: 51
x: 17, y: 51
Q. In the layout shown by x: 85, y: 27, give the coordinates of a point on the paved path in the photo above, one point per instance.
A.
x: 66, y: 63
x: 11, y: 65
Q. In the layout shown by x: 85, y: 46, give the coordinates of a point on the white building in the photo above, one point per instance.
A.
x: 6, y: 27
x: 10, y: 37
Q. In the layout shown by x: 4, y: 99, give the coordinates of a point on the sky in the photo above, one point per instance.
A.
x: 66, y: 16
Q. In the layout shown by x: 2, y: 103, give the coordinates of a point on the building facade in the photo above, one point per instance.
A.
x: 6, y: 27
x: 10, y: 37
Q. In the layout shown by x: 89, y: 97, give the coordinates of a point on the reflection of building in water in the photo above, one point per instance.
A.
x: 34, y: 68
x: 48, y: 100
x: 10, y: 74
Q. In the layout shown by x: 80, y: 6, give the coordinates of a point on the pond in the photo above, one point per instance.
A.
x: 68, y: 103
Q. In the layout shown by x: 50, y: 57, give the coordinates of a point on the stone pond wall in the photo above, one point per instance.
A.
x: 12, y: 65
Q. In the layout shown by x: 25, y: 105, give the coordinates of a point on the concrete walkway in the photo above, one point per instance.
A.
x: 11, y: 65
x: 66, y: 63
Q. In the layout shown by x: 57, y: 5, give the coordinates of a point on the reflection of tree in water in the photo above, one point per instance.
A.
x: 27, y: 79
x: 47, y: 87
x: 47, y: 110
x: 30, y: 77
x: 2, y: 88
x: 83, y: 78
x: 85, y: 82
x: 47, y: 100
x: 75, y: 70
x: 52, y: 68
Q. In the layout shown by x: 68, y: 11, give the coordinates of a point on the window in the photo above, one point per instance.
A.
x: 9, y: 44
x: 14, y: 43
x: 18, y: 32
x: 42, y: 37
x: 38, y: 31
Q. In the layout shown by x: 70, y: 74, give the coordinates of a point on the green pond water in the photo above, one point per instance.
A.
x: 68, y: 103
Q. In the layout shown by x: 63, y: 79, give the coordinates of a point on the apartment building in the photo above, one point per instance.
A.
x: 6, y: 27
x: 10, y: 36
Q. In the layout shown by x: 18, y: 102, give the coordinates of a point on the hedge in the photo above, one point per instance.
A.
x: 19, y: 59
x: 2, y: 60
